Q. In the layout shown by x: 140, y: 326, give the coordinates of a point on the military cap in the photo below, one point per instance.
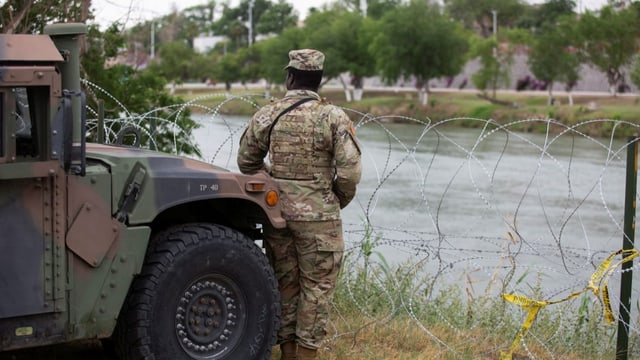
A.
x: 305, y: 59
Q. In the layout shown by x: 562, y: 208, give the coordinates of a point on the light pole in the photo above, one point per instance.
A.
x: 363, y: 7
x: 153, y: 39
x: 250, y: 22
x: 495, y: 23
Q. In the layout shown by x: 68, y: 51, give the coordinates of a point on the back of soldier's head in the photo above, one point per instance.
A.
x: 306, y: 66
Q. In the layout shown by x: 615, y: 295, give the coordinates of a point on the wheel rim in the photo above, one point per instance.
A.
x: 208, y: 322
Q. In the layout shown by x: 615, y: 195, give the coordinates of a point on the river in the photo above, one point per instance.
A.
x: 476, y: 205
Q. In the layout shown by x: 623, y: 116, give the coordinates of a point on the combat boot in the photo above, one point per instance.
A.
x: 289, y: 350
x: 307, y: 354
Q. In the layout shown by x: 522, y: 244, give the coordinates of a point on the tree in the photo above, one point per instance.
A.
x: 609, y: 40
x: 478, y: 13
x: 496, y: 57
x: 495, y: 65
x: 276, y: 18
x: 176, y: 62
x: 553, y: 56
x: 234, y: 21
x: 274, y: 55
x: 249, y: 59
x: 440, y: 50
x: 30, y: 16
x: 547, y: 13
x: 341, y: 35
x: 555, y: 9
x: 228, y: 69
x: 201, y: 16
x: 356, y: 51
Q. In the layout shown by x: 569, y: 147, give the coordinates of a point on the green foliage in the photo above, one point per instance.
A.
x: 30, y: 17
x: 553, y: 57
x: 178, y: 62
x: 228, y: 69
x: 276, y: 18
x: 274, y: 54
x: 376, y: 292
x: 320, y: 34
x: 342, y: 36
x: 482, y: 112
x: 267, y: 18
x: 478, y: 13
x: 141, y: 96
x: 137, y: 93
x: 201, y: 16
x: 439, y: 50
x: 546, y: 14
x: 490, y: 73
x: 497, y: 58
x: 518, y: 37
x: 609, y: 40
x: 249, y: 59
x: 368, y: 248
x: 100, y: 45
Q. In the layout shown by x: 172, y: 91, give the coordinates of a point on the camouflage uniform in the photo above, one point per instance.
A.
x: 315, y: 159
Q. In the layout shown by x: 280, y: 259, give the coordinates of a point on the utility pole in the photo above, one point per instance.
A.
x: 495, y: 23
x: 153, y: 39
x: 250, y: 22
x: 363, y: 7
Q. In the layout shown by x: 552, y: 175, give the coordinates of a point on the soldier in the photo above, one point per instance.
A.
x: 315, y: 158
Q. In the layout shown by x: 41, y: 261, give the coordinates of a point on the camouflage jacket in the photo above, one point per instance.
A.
x: 313, y: 192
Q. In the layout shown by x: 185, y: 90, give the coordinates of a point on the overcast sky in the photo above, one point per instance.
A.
x: 132, y: 11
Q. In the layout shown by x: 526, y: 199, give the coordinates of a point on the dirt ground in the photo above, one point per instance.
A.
x: 76, y: 351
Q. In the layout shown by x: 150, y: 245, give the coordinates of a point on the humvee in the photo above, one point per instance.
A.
x: 157, y: 254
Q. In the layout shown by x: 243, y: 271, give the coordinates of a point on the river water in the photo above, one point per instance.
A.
x: 478, y: 205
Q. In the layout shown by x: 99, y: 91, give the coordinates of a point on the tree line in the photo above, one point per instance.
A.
x: 417, y: 40
x: 397, y: 40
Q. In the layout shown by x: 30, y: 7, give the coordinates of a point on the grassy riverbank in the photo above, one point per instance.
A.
x: 445, y: 105
x: 394, y: 314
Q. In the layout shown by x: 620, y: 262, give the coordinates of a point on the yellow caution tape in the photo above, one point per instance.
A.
x: 598, y: 283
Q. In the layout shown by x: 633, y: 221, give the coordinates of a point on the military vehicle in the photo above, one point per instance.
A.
x: 156, y: 253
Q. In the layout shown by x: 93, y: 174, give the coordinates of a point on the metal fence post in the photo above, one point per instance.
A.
x: 622, y: 344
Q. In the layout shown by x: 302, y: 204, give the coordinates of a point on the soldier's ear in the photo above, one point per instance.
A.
x: 289, y: 80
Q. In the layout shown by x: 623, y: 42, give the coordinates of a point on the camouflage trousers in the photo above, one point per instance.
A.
x: 307, y: 256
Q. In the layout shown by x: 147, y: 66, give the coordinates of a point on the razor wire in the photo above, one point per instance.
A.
x: 458, y: 213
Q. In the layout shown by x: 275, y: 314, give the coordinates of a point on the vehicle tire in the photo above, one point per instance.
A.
x: 205, y: 292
